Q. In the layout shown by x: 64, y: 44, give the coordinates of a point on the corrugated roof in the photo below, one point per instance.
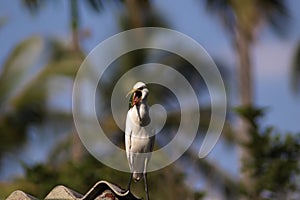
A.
x: 102, y: 190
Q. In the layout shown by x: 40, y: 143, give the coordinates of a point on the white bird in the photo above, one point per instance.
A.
x: 139, y: 140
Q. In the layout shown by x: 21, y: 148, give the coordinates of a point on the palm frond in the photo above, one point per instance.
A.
x: 32, y: 5
x: 276, y: 15
x: 18, y: 67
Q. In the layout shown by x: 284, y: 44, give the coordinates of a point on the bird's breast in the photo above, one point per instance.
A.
x: 140, y: 114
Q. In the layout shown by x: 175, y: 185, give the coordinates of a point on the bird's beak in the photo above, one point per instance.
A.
x: 130, y: 92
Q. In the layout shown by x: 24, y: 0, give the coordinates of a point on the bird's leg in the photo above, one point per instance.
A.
x: 129, y: 183
x: 146, y: 186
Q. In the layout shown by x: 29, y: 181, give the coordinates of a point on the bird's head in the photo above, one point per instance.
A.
x: 138, y: 93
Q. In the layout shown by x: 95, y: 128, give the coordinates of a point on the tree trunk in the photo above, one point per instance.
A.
x: 134, y: 12
x: 75, y: 25
x: 242, y: 42
x: 244, y: 68
x: 77, y: 147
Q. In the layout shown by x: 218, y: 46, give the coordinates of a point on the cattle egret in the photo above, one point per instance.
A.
x: 139, y: 139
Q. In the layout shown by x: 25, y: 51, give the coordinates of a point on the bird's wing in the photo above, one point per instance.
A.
x: 128, y: 133
x: 152, y: 141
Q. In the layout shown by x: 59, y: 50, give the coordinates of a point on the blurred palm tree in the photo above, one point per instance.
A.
x: 75, y: 25
x: 243, y: 20
x: 295, y: 72
x: 26, y: 83
x: 26, y: 76
x: 140, y: 13
x: 62, y: 64
x: 13, y: 124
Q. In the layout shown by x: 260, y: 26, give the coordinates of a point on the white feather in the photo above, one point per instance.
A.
x: 139, y: 138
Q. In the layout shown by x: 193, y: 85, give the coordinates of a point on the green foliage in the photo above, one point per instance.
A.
x: 274, y: 161
x: 249, y: 14
x: 274, y: 157
x: 24, y: 93
x: 16, y: 117
x: 32, y: 5
x: 141, y: 14
x: 41, y: 178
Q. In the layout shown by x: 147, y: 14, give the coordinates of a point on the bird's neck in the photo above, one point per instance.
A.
x: 142, y: 113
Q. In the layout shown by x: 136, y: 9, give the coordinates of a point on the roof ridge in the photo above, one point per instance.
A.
x: 102, y: 190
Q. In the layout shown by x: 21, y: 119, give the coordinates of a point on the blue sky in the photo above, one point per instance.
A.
x: 272, y: 56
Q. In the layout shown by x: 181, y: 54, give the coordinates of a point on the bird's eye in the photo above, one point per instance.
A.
x: 141, y: 88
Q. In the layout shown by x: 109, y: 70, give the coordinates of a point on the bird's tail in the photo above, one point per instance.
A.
x: 137, y: 176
